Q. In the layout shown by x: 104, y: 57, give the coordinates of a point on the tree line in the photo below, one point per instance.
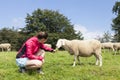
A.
x: 57, y: 25
x: 116, y: 21
x: 54, y: 23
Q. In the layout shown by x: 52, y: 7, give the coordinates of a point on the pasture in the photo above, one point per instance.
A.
x: 58, y: 66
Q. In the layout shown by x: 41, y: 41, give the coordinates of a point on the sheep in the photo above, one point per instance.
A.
x: 107, y: 45
x: 83, y: 48
x: 116, y: 47
x: 49, y: 45
x: 5, y: 46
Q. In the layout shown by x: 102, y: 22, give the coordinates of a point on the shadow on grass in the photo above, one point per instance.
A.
x: 29, y: 72
x: 77, y: 64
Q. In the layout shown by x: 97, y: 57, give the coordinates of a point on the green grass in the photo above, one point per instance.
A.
x: 58, y: 66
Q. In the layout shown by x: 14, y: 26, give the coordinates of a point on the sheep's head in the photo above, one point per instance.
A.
x: 60, y: 43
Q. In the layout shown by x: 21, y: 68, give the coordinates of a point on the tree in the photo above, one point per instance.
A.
x: 107, y: 37
x: 56, y: 24
x: 116, y: 8
x: 116, y: 21
x: 8, y: 35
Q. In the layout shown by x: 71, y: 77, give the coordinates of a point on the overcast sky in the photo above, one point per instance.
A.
x: 91, y: 17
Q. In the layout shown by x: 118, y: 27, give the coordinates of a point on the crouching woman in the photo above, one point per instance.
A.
x: 31, y: 54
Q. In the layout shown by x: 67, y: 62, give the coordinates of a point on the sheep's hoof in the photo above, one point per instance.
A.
x: 73, y: 65
x: 96, y: 64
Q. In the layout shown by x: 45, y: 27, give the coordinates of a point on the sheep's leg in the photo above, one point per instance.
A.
x: 100, y: 58
x: 75, y: 57
x: 104, y: 50
x: 78, y: 59
x: 97, y: 60
x: 115, y: 52
x: 113, y: 49
x: 2, y: 49
x: 118, y: 51
x: 109, y: 50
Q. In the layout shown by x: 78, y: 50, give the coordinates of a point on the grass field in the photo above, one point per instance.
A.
x: 58, y: 66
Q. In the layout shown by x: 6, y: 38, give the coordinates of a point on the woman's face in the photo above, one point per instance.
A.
x: 42, y: 40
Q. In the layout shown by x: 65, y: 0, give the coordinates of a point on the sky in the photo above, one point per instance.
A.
x: 92, y: 17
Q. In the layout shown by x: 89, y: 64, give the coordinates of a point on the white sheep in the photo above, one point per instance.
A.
x: 49, y: 45
x: 83, y: 48
x: 5, y: 46
x: 107, y: 45
x: 116, y: 47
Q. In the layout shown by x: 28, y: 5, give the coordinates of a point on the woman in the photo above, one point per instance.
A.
x: 31, y: 54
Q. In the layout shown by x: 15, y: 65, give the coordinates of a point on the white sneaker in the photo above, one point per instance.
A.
x: 41, y: 72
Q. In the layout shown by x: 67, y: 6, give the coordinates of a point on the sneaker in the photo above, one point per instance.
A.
x: 40, y: 71
x: 22, y: 70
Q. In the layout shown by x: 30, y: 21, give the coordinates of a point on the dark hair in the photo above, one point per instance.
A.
x: 42, y: 35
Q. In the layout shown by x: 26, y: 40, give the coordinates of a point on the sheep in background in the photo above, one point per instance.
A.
x: 5, y: 46
x: 116, y: 47
x: 49, y: 45
x: 83, y: 48
x: 107, y: 45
